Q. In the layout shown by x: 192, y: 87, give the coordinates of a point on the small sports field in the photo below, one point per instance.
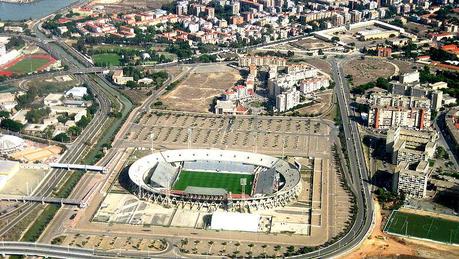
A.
x: 107, y: 59
x: 28, y: 64
x: 425, y: 227
x: 229, y: 182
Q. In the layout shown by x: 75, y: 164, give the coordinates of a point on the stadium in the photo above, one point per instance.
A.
x: 212, y: 179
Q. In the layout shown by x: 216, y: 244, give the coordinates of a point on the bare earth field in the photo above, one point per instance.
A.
x: 137, y: 96
x: 320, y: 64
x: 197, y: 91
x: 311, y: 44
x: 405, y: 66
x: 323, y: 105
x: 369, y: 69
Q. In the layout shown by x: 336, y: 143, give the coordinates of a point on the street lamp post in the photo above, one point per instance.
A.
x: 189, y: 137
x: 152, y: 139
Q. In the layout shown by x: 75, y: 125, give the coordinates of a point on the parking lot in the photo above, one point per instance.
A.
x: 270, y: 135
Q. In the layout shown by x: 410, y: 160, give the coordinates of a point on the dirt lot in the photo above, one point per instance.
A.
x: 137, y: 96
x: 197, y: 91
x: 367, y: 70
x: 320, y: 64
x: 321, y: 107
x: 405, y: 66
x: 382, y: 245
x: 311, y: 44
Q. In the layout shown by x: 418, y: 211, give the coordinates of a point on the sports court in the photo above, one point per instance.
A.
x: 228, y: 181
x: 424, y: 227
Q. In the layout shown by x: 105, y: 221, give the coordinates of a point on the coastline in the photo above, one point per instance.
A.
x: 17, y: 1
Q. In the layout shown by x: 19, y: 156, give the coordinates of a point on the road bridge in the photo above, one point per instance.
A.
x: 41, y: 199
x: 78, y: 167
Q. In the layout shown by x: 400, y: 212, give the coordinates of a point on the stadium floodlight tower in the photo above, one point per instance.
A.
x: 243, y: 182
x: 190, y: 130
x: 152, y: 139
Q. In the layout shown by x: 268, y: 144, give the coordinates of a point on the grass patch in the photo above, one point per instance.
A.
x: 227, y: 181
x: 35, y: 230
x: 107, y: 59
x: 28, y: 65
x: 425, y: 227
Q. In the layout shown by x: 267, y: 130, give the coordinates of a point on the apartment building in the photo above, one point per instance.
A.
x: 411, y: 180
x: 392, y: 110
x: 411, y: 146
x: 313, y: 84
x: 245, y: 61
x: 279, y: 83
x: 287, y: 100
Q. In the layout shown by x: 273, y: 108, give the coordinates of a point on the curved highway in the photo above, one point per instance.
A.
x: 364, y: 217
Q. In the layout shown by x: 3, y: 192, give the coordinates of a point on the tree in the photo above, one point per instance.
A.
x: 131, y: 84
x: 62, y: 137
x: 37, y: 115
x: 74, y: 131
x: 83, y: 122
x: 12, y: 125
x: 4, y: 114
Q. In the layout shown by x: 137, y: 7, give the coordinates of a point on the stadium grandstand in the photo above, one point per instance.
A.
x: 210, y: 179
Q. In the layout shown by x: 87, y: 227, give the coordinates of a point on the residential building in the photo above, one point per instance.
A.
x: 119, y: 78
x: 230, y: 108
x: 411, y: 146
x: 238, y: 92
x: 437, y: 100
x: 245, y: 61
x: 411, y: 180
x: 287, y: 100
x: 53, y: 99
x: 235, y: 8
x: 380, y: 117
x: 384, y: 51
x: 312, y: 84
x: 409, y: 78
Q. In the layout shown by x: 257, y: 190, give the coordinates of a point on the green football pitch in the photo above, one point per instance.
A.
x: 229, y: 182
x: 424, y: 227
x: 28, y: 65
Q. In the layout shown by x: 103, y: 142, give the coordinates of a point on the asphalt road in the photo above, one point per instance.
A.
x: 445, y: 139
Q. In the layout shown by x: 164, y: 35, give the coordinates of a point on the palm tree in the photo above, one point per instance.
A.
x: 237, y: 246
x: 196, y: 242
x: 211, y: 243
x: 184, y: 242
x: 264, y: 248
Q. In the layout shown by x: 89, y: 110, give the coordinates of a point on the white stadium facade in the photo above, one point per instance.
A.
x: 273, y: 182
x: 10, y: 144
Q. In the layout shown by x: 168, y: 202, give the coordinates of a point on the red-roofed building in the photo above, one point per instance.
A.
x: 63, y: 20
x: 451, y: 48
x: 384, y: 51
x: 440, y: 36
